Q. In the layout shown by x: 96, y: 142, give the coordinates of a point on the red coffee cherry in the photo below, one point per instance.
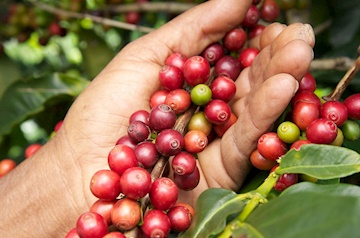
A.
x: 158, y: 98
x: 163, y: 193
x: 135, y: 183
x: 179, y: 100
x: 114, y: 234
x: 196, y: 70
x: 235, y: 39
x: 103, y: 208
x: 183, y: 163
x: 217, y: 111
x: 352, y: 103
x: 6, y: 165
x: 304, y: 113
x: 180, y: 218
x: 228, y: 66
x: 126, y: 140
x: 126, y: 214
x: 195, y: 141
x: 297, y: 144
x: 91, y: 225
x: 105, y: 184
x: 321, y: 131
x: 255, y: 31
x: 213, y: 52
x: 171, y: 77
x: 188, y: 182
x: 252, y: 17
x: 335, y: 111
x: 138, y: 131
x: 223, y: 88
x: 271, y: 146
x: 247, y: 56
x: 285, y: 181
x: 140, y: 115
x: 259, y: 162
x: 269, y: 10
x: 221, y: 129
x: 306, y: 96
x: 169, y: 142
x: 72, y: 234
x: 121, y: 157
x: 162, y: 117
x: 156, y: 224
x: 176, y: 59
x: 31, y: 149
x: 307, y: 83
x: 146, y: 154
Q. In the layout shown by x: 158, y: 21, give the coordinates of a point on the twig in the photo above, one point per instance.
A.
x: 97, y: 19
x: 344, y: 82
x: 322, y: 26
x: 341, y: 64
x: 169, y: 7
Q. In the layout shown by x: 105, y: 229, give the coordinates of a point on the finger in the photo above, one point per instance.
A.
x: 269, y: 34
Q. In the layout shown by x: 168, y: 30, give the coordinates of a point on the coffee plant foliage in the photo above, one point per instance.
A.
x: 44, y: 67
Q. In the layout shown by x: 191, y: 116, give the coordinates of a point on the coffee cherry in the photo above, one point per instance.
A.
x: 121, y: 157
x: 351, y: 130
x: 199, y: 122
x: 213, y: 52
x: 183, y: 163
x: 339, y: 138
x: 158, y: 98
x: 103, y: 208
x: 196, y: 70
x: 126, y: 214
x: 186, y: 206
x: 135, y: 183
x: 146, y: 154
x: 201, y: 94
x: 223, y: 88
x: 228, y: 66
x: 31, y: 149
x: 235, y: 39
x: 307, y: 83
x: 180, y: 218
x: 252, y: 17
x: 126, y: 140
x: 247, y: 56
x: 195, y: 141
x: 269, y: 10
x: 271, y: 146
x: 58, y: 125
x: 285, y: 181
x: 156, y: 224
x: 297, y: 144
x: 259, y: 162
x: 105, y: 184
x: 221, y: 129
x: 334, y: 111
x: 176, y: 59
x: 163, y: 193
x: 114, y: 234
x: 132, y: 17
x: 352, y: 103
x: 91, y: 225
x: 138, y: 131
x: 72, y: 234
x: 288, y: 132
x: 6, y: 165
x: 188, y: 182
x: 162, y: 117
x: 171, y: 77
x: 306, y: 96
x: 169, y: 142
x: 217, y: 111
x: 140, y: 115
x: 321, y: 131
x: 304, y: 113
x: 255, y: 31
x: 179, y: 100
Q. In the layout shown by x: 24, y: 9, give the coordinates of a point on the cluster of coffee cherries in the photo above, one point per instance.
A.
x: 310, y: 120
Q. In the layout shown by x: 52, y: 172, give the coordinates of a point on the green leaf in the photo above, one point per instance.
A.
x: 321, y: 161
x: 212, y: 208
x: 310, y: 210
x: 245, y: 228
x: 23, y: 99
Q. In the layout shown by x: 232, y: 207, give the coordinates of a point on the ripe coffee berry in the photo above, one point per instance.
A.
x: 304, y: 113
x: 285, y: 181
x: 352, y: 103
x: 176, y: 59
x: 297, y: 144
x: 321, y: 131
x: 163, y: 193
x: 162, y: 117
x: 196, y: 70
x: 195, y: 141
x: 180, y: 218
x: 135, y: 183
x: 126, y: 214
x: 138, y: 131
x: 146, y: 154
x: 121, y: 157
x: 201, y: 94
x: 114, y: 234
x: 103, y: 208
x: 228, y: 66
x: 259, y: 162
x: 217, y: 111
x: 105, y: 184
x: 213, y: 52
x: 6, y: 165
x: 169, y: 142
x: 255, y: 31
x: 31, y: 149
x: 334, y: 111
x: 183, y: 163
x: 223, y: 88
x: 188, y: 182
x: 126, y: 140
x: 179, y: 100
x: 171, y: 77
x: 158, y: 97
x: 140, y: 115
x: 235, y: 39
x: 269, y: 10
x: 91, y: 225
x: 252, y: 17
x: 307, y: 83
x: 156, y: 224
x: 271, y: 146
x: 247, y: 56
x: 72, y: 234
x: 306, y: 96
x: 221, y: 129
